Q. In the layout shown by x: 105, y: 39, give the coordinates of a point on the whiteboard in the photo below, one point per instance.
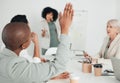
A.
x: 78, y: 30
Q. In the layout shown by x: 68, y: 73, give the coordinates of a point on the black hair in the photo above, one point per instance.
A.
x: 47, y: 10
x: 19, y: 18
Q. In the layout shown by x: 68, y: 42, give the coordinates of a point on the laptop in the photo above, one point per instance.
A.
x: 116, y: 67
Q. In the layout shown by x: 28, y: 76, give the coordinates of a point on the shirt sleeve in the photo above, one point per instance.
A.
x: 39, y: 72
x: 36, y: 60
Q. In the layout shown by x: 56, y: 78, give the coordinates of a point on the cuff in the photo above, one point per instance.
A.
x: 36, y: 60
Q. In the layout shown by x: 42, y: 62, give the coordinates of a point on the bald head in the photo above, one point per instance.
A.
x: 15, y: 34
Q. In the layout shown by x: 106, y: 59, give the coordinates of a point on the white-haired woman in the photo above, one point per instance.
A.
x: 111, y: 44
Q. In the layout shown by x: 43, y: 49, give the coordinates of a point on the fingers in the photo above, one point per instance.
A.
x: 60, y: 15
x: 33, y: 34
x: 66, y: 18
x: 72, y: 14
x: 43, y: 60
x: 65, y: 10
x: 43, y: 30
x: 63, y: 75
x: 34, y: 37
x: 85, y: 54
x: 68, y: 10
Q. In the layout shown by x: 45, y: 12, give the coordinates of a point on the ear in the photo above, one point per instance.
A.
x: 25, y: 45
x: 117, y: 32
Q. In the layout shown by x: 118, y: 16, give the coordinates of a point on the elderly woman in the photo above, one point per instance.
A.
x: 111, y: 44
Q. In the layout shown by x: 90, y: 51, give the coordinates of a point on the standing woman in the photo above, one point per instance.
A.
x: 50, y: 29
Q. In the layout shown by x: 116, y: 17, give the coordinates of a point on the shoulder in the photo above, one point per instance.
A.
x: 17, y: 60
x: 43, y: 21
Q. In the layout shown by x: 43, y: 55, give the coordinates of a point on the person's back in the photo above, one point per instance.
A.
x: 7, y: 74
x: 3, y: 64
x: 15, y: 69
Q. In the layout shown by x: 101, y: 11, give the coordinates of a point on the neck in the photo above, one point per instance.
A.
x: 113, y: 37
x: 17, y: 51
x: 49, y: 20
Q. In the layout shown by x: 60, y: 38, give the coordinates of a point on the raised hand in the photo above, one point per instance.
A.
x: 34, y: 38
x: 66, y: 18
x: 43, y: 32
x: 85, y: 54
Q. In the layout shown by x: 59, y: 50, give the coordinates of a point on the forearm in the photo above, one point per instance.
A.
x: 36, y: 51
x: 36, y: 55
x: 63, y: 53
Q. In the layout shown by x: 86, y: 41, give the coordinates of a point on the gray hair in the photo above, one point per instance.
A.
x: 115, y: 23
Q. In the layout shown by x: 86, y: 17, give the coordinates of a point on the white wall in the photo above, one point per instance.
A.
x: 99, y: 12
x: 118, y: 9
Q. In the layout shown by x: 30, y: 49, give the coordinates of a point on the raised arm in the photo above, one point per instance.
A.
x: 36, y: 54
x: 66, y: 18
x: 44, y: 71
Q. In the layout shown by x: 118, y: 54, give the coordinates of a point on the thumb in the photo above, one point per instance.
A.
x: 60, y: 15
